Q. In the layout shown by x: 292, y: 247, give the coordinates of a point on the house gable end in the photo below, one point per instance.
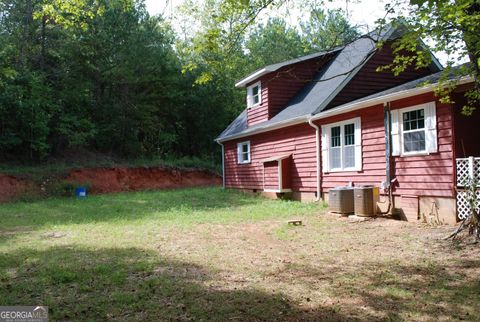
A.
x: 279, y: 87
x: 368, y: 80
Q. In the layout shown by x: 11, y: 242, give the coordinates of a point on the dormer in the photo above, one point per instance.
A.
x: 254, y: 95
x: 269, y: 89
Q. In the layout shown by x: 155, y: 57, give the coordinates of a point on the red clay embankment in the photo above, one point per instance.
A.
x: 105, y: 180
x: 12, y: 187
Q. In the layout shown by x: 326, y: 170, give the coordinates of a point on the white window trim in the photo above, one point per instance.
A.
x: 326, y: 132
x: 240, y: 153
x: 430, y: 128
x: 250, y: 95
x: 402, y: 131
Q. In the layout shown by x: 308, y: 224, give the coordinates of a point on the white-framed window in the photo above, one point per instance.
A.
x: 414, y: 130
x: 342, y: 146
x: 254, y: 94
x: 243, y: 152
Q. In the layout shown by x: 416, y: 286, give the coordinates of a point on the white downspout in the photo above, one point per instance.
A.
x: 317, y: 144
x: 223, y: 164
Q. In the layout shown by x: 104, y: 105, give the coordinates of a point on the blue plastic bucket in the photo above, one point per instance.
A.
x: 81, y: 192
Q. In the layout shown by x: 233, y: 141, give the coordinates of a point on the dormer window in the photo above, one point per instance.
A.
x: 254, y: 94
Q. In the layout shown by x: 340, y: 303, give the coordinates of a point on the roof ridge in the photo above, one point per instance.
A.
x: 274, y: 67
x: 383, y: 32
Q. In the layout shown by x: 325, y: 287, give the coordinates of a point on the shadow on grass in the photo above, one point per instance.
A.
x: 135, y: 285
x: 391, y: 291
x: 166, y: 204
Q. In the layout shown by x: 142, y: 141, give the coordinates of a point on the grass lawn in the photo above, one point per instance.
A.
x: 209, y: 254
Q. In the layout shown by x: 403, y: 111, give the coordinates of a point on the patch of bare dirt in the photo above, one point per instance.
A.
x: 104, y: 180
x: 376, y: 270
x: 10, y: 187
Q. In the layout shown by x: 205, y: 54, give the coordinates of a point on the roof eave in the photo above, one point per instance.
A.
x: 261, y: 129
x: 252, y: 77
x: 274, y: 67
x: 343, y: 109
x: 383, y: 99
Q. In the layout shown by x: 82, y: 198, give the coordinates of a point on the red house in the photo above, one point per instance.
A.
x: 330, y: 119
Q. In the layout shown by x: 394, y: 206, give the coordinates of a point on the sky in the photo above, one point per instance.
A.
x: 361, y: 13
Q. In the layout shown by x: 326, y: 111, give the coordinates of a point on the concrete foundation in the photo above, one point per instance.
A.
x: 407, y: 207
x: 304, y: 196
x: 438, y: 210
x: 296, y: 195
x: 325, y: 197
x: 269, y: 195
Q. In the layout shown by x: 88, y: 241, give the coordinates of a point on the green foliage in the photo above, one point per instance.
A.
x: 105, y: 76
x: 63, y: 188
x: 452, y: 27
x: 273, y: 42
x: 96, y: 74
x: 325, y: 30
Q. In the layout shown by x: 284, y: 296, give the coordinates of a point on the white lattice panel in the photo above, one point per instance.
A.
x: 468, y: 171
x: 476, y: 169
x: 463, y: 208
x: 462, y: 172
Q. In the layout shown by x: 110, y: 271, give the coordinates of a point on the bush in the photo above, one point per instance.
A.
x: 63, y: 188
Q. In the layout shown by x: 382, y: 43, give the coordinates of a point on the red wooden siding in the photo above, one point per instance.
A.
x: 259, y: 114
x: 368, y: 81
x: 281, y: 86
x: 373, y: 150
x: 299, y: 140
x: 429, y: 175
x: 271, y: 175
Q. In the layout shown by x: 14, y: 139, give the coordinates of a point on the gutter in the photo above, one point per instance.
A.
x: 261, y: 129
x: 384, y: 98
x: 223, y: 164
x: 343, y: 109
x: 317, y: 145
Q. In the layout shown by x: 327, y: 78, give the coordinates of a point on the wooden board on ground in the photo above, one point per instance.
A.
x: 295, y: 222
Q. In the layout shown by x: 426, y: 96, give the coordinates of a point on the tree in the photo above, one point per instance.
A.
x: 93, y: 74
x: 26, y: 100
x: 325, y: 30
x: 273, y: 42
x: 451, y: 26
x: 212, y: 55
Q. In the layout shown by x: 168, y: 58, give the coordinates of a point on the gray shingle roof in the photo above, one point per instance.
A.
x: 430, y: 79
x: 274, y: 67
x: 315, y: 96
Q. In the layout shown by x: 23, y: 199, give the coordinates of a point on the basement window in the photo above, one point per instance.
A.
x: 243, y: 152
x: 254, y: 94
